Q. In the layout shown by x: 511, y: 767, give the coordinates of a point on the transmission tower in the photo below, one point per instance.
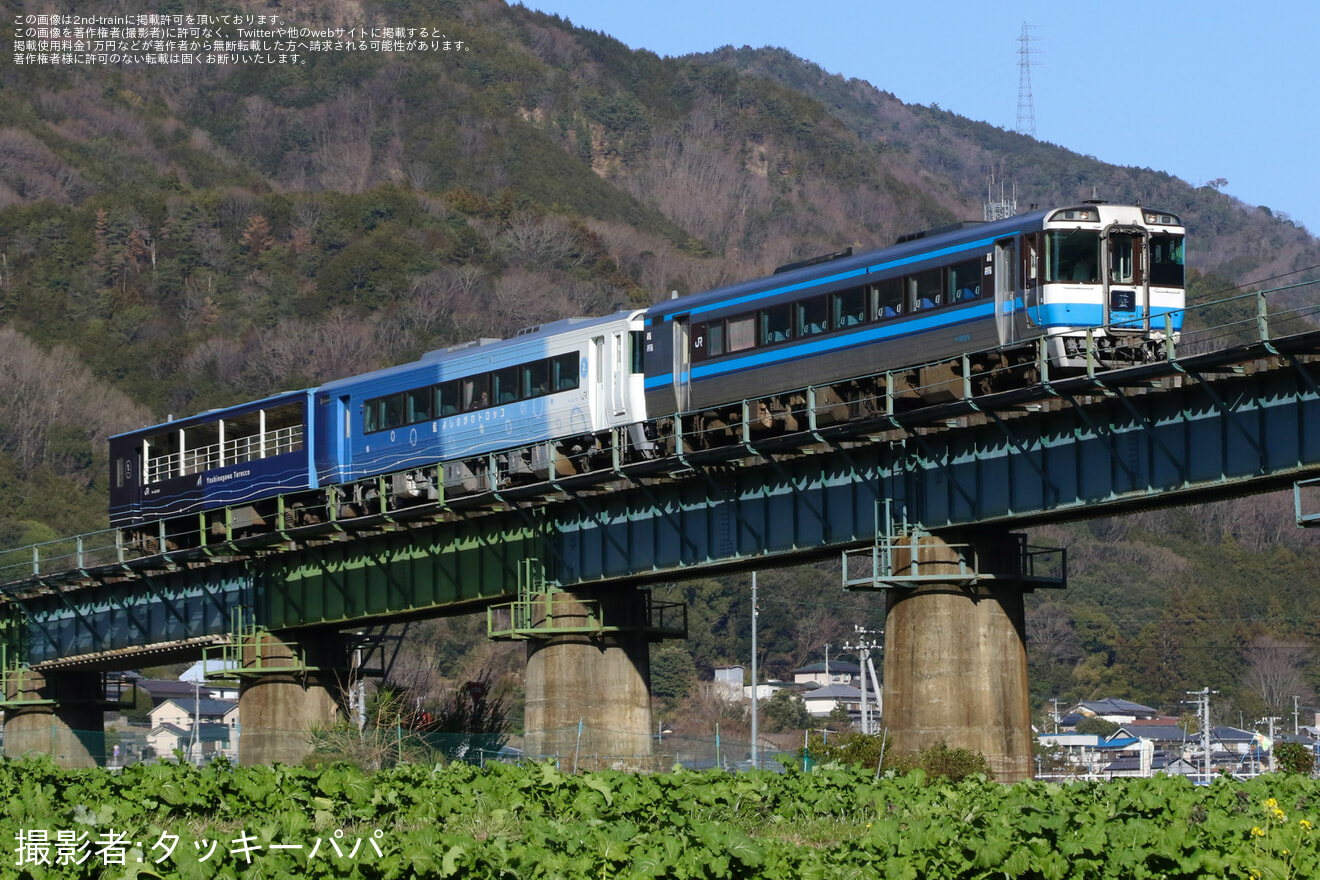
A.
x: 1026, y: 111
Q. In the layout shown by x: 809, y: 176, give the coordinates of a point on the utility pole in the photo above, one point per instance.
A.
x: 863, y: 649
x: 756, y: 752
x: 1202, y: 703
x: 1296, y: 714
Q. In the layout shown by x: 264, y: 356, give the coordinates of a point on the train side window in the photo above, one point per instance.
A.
x: 777, y: 324
x: 813, y: 316
x: 965, y: 281
x: 849, y: 308
x: 420, y: 405
x: 536, y: 378
x: 370, y: 416
x: 476, y: 392
x: 504, y: 386
x: 926, y: 289
x: 887, y: 298
x: 447, y: 398
x: 637, y: 348
x: 742, y: 332
x: 715, y: 339
x: 564, y: 371
x: 392, y: 412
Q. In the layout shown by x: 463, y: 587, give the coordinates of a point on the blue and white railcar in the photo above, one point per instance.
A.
x: 1112, y: 270
x: 567, y: 382
x: 232, y: 457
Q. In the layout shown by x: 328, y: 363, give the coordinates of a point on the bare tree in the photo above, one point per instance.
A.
x: 1275, y: 671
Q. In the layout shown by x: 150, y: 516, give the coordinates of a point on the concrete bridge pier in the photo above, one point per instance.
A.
x: 955, y: 652
x: 286, y: 688
x: 61, y: 714
x: 580, y: 671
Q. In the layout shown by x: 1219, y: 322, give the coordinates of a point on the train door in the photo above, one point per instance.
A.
x: 1033, y: 293
x: 598, y: 384
x: 1126, y: 292
x: 1007, y: 304
x: 619, y: 375
x: 682, y: 363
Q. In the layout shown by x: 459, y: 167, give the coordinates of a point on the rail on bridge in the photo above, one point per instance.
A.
x: 1235, y: 409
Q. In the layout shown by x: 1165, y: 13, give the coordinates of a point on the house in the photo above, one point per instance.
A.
x: 172, y: 724
x: 1113, y: 710
x: 1146, y: 766
x: 823, y: 700
x: 212, y: 739
x: 839, y: 672
x: 1087, y: 754
x: 729, y: 681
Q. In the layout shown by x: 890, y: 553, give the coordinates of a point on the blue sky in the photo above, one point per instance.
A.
x: 1202, y: 90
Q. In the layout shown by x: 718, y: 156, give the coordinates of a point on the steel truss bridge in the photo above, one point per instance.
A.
x: 1234, y: 410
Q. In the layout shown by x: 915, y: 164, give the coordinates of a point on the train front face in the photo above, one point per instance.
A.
x: 1114, y: 270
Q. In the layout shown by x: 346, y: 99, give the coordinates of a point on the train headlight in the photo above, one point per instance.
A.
x: 1154, y: 218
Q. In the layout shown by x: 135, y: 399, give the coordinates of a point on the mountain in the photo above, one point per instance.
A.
x: 177, y: 237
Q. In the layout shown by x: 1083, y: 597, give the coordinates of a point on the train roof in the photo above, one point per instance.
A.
x: 930, y: 242
x: 212, y: 415
x: 487, y: 348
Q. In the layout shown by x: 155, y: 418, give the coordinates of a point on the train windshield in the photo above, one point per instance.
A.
x: 1072, y: 255
x: 1166, y: 260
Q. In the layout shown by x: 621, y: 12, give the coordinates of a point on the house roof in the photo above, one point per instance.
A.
x: 1158, y: 732
x: 1157, y: 762
x: 834, y: 692
x: 1113, y: 706
x: 203, y: 706
x: 837, y: 667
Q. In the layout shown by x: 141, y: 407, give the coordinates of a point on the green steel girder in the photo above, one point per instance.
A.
x: 111, y: 616
x: 1095, y: 450
x: 403, y: 572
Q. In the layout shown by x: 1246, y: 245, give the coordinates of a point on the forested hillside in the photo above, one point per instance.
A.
x: 182, y: 237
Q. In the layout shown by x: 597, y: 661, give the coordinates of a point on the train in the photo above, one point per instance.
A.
x: 844, y: 335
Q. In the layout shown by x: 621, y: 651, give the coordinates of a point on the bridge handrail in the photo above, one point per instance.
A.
x: 101, y: 548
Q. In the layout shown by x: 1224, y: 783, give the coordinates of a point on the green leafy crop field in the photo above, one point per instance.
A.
x: 172, y: 821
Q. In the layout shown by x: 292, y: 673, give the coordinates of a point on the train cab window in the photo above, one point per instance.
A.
x: 1124, y: 260
x: 1072, y: 255
x: 564, y: 371
x: 476, y: 392
x: 965, y: 281
x: 1166, y: 260
x: 421, y: 405
x: 776, y: 324
x: 447, y: 401
x: 536, y: 378
x: 887, y: 299
x: 848, y: 308
x: 813, y: 316
x: 925, y: 289
x: 742, y: 332
x: 714, y: 339
x: 504, y: 386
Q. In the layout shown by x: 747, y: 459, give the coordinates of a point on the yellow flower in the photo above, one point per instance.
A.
x: 1255, y: 875
x: 1257, y: 831
x: 1306, y: 826
x: 1271, y: 803
x: 1280, y: 815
